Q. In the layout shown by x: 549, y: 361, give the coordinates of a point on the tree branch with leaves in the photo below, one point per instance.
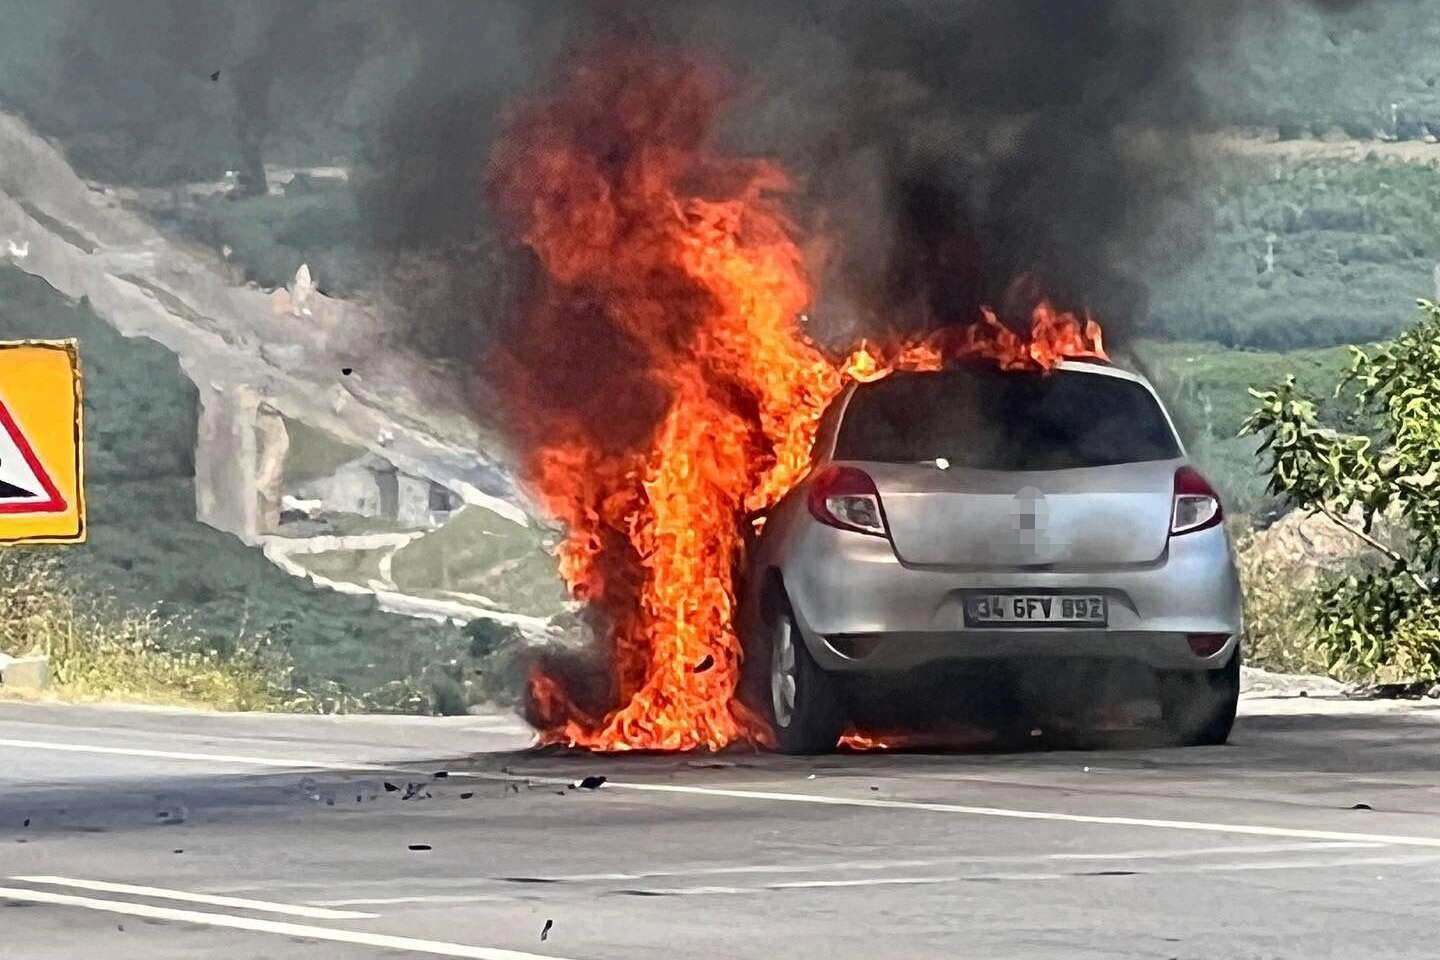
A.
x: 1386, y: 614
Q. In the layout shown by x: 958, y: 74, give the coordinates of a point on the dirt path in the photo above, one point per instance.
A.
x: 1408, y: 151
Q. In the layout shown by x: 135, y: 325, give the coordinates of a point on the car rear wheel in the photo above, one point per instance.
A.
x: 805, y: 706
x: 1199, y: 705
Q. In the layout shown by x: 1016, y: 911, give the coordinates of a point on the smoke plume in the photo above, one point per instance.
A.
x: 953, y: 153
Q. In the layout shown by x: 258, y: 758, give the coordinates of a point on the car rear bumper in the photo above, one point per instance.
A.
x: 859, y: 608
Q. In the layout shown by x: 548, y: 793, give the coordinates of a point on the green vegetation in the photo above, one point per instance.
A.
x: 1349, y: 239
x: 317, y: 223
x: 1279, y: 613
x: 1206, y: 386
x: 100, y: 651
x: 476, y: 552
x: 1333, y: 70
x: 1386, y: 614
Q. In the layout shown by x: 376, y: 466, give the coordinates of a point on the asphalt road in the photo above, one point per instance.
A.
x: 162, y: 834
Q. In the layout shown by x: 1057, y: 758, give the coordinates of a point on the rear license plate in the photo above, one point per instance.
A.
x: 1031, y: 609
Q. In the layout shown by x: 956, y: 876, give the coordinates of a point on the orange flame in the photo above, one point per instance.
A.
x: 857, y: 741
x: 1055, y: 335
x: 657, y: 385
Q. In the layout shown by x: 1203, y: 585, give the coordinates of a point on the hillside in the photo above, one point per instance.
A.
x: 1306, y: 252
x: 147, y: 551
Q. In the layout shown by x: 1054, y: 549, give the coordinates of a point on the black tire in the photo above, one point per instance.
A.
x: 811, y: 719
x: 1198, y: 706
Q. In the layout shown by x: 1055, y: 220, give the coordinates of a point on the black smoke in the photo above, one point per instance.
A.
x: 953, y: 153
x: 960, y: 153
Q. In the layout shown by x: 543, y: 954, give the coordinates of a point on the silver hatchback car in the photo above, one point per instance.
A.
x: 975, y: 514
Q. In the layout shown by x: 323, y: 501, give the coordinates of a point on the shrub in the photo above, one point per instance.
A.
x: 100, y: 650
x: 1279, y: 612
x: 1384, y: 616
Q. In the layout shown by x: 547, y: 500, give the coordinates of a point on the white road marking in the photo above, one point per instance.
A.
x: 865, y: 882
x: 437, y: 898
x: 198, y: 757
x: 843, y: 866
x: 926, y: 806
x: 840, y: 867
x: 1243, y: 867
x: 1303, y: 864
x: 183, y: 896
x: 280, y: 927
x: 1214, y: 851
x: 921, y: 806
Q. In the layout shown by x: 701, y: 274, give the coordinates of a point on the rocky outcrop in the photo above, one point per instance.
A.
x: 1306, y: 543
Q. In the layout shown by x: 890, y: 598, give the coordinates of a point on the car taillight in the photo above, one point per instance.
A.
x: 1207, y: 644
x: 846, y: 498
x: 1196, y: 506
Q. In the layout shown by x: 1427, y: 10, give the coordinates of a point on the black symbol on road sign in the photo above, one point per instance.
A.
x: 8, y: 491
x: 25, y: 484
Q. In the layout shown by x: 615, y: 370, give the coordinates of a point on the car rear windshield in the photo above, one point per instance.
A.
x: 992, y: 420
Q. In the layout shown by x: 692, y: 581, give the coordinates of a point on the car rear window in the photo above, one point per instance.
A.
x: 992, y: 420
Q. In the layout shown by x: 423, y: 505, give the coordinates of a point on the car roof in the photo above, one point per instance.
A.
x: 1101, y: 368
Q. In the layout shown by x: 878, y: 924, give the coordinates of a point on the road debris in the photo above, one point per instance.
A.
x: 545, y: 930
x: 466, y: 796
x: 390, y: 787
x: 421, y: 846
x: 1362, y: 806
x: 441, y: 774
x: 592, y: 782
x: 416, y: 791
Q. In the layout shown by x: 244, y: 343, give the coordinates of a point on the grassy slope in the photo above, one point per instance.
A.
x: 1354, y: 244
x: 145, y: 547
x: 1206, y: 387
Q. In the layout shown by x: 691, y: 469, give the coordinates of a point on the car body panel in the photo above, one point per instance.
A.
x: 1113, y: 514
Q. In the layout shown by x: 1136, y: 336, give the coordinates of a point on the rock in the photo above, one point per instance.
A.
x: 30, y: 673
x: 287, y: 356
x: 1255, y: 682
x: 1307, y: 543
x: 302, y: 290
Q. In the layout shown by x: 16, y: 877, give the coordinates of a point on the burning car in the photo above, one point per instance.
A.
x: 979, y: 513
